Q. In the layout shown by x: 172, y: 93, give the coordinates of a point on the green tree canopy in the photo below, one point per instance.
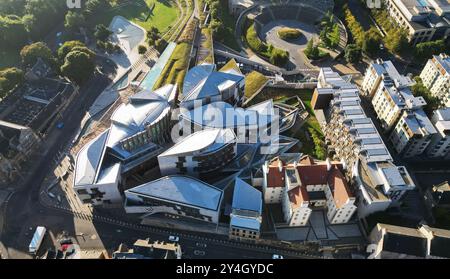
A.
x: 12, y: 32
x: 9, y: 79
x: 31, y: 53
x: 352, y: 53
x: 372, y: 41
x: 78, y: 66
x: 67, y: 47
x: 426, y: 50
x: 102, y: 33
x: 74, y: 20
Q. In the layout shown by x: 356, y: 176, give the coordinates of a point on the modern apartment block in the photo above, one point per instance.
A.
x: 413, y: 133
x: 389, y: 92
x: 202, y: 152
x: 245, y: 218
x: 424, y: 20
x: 436, y: 77
x: 307, y: 184
x: 383, y: 71
x: 352, y: 136
x: 439, y: 146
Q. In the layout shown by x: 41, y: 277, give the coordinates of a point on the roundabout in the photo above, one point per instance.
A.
x: 286, y: 28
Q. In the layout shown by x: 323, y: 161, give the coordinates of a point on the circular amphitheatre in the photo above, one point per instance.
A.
x: 300, y: 20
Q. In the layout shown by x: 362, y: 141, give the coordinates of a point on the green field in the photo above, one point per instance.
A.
x: 163, y: 15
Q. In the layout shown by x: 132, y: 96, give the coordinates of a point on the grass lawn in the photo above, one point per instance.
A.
x: 176, y: 67
x: 253, y: 82
x: 164, y: 14
x: 9, y: 58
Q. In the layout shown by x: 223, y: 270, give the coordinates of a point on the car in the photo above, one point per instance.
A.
x: 174, y: 238
x: 277, y: 257
x: 199, y: 253
x: 381, y: 47
x: 203, y: 245
x: 66, y: 241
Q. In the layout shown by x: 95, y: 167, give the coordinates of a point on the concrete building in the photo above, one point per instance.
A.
x: 413, y: 133
x: 436, y: 77
x: 137, y: 131
x: 383, y: 71
x: 440, y: 195
x: 439, y: 146
x: 245, y: 218
x: 305, y: 185
x: 250, y: 124
x: 145, y: 249
x: 204, y: 85
x: 17, y: 143
x: 201, y: 152
x: 390, y: 92
x: 395, y: 242
x: 424, y: 20
x: 354, y: 140
x: 176, y: 196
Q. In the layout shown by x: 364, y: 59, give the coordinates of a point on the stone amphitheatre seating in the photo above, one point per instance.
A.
x: 302, y: 13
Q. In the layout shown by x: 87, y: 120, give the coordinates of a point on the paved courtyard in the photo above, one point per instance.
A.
x: 319, y: 229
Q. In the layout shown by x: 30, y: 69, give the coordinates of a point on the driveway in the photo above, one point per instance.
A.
x: 269, y: 33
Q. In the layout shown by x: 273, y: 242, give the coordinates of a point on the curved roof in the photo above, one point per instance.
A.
x: 206, y: 140
x: 222, y: 115
x: 202, y: 82
x: 182, y: 189
x: 88, y: 160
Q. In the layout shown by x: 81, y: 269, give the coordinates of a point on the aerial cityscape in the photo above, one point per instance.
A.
x: 224, y: 129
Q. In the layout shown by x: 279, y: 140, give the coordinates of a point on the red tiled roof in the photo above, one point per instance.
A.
x: 307, y: 160
x: 297, y: 196
x: 275, y: 177
x: 313, y: 175
x: 339, y: 187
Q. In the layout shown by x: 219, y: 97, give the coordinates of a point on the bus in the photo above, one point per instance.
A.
x: 37, y: 240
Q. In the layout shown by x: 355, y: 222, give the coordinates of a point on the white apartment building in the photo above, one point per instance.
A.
x: 379, y: 71
x: 413, y: 133
x: 436, y: 77
x: 424, y: 20
x: 390, y: 93
x: 440, y: 142
x: 309, y: 184
x: 352, y: 136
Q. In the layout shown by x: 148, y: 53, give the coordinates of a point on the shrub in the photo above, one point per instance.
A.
x: 287, y: 33
x: 142, y: 49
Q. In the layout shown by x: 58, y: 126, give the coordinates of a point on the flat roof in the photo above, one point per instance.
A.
x: 246, y: 197
x: 183, y: 190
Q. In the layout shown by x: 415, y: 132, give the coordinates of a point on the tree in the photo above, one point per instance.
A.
x: 372, y: 41
x: 419, y: 89
x: 95, y: 6
x: 312, y: 51
x: 102, y: 33
x: 42, y: 15
x: 426, y: 50
x: 278, y: 57
x: 74, y: 20
x: 396, y: 40
x: 12, y: 32
x: 142, y: 49
x: 352, y: 53
x: 78, y: 66
x: 31, y: 53
x: 9, y: 79
x: 12, y: 7
x: 68, y: 47
x: 153, y: 35
x: 160, y: 45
